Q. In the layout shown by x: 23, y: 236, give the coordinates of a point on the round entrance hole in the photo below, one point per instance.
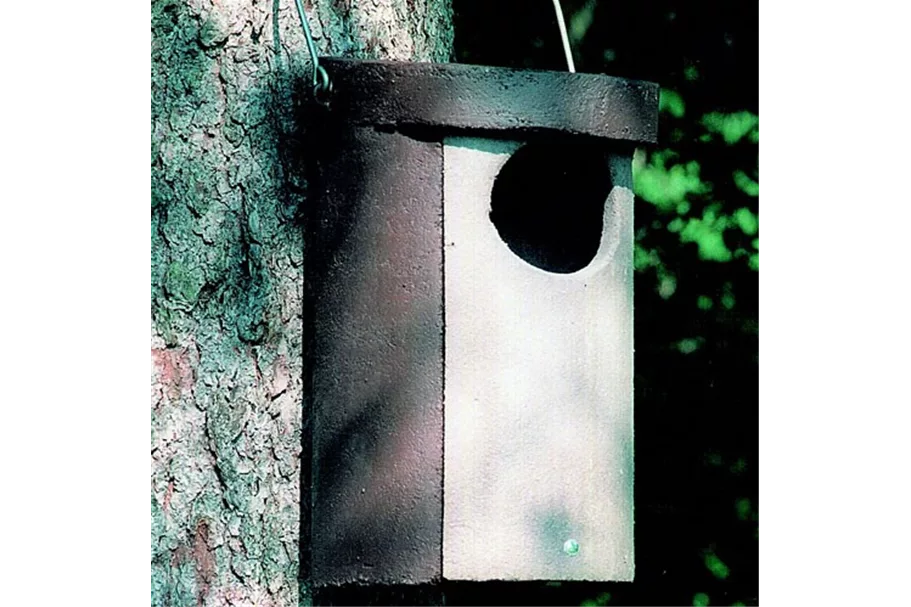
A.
x: 547, y: 204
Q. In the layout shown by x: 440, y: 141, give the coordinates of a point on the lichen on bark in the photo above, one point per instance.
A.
x: 228, y: 192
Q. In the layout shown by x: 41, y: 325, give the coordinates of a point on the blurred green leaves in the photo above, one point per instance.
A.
x: 746, y: 183
x: 743, y: 508
x: 644, y: 259
x: 708, y: 234
x: 704, y: 211
x: 580, y: 21
x: 689, y: 344
x: 700, y: 599
x: 666, y: 184
x: 733, y: 127
x: 671, y: 102
x: 718, y: 568
x: 747, y: 221
x: 601, y: 599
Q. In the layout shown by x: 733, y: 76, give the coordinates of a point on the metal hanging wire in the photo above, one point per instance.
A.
x: 562, y: 24
x: 322, y: 85
x: 321, y: 82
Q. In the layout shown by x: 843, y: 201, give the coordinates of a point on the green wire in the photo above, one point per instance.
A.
x: 318, y: 71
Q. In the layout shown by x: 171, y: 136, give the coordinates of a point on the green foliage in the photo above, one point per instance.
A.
x: 601, y: 599
x: 746, y: 220
x: 734, y: 126
x: 668, y: 179
x: 665, y: 184
x: 727, y: 296
x: 744, y: 508
x: 673, y: 184
x: 718, y: 568
x: 708, y: 234
x: 700, y: 599
x: 748, y: 185
x: 644, y: 259
x: 581, y: 21
x: 689, y: 345
x: 671, y: 102
x: 714, y: 459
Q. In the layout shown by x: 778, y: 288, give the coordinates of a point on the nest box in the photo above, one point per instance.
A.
x: 468, y: 319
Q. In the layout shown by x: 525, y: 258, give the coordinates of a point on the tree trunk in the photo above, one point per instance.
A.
x: 227, y: 278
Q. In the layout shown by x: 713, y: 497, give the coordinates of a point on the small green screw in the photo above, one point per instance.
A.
x: 571, y: 547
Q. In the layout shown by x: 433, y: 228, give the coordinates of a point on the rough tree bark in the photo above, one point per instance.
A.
x: 227, y: 197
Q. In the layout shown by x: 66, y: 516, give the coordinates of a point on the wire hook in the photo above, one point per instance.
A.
x: 321, y: 83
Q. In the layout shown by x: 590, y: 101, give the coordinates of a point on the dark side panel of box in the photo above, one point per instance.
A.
x: 375, y: 340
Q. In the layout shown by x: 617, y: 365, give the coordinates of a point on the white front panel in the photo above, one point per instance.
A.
x: 538, y: 460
